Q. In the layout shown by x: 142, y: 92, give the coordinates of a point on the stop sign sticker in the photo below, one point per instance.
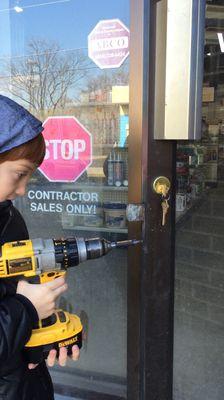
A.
x: 68, y: 149
x: 108, y: 43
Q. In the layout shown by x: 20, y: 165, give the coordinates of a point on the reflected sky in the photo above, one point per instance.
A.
x: 67, y: 22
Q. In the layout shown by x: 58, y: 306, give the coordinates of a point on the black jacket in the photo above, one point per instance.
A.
x: 17, y: 316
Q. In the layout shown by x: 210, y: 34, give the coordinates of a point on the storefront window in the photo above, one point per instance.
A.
x: 67, y: 62
x: 199, y: 284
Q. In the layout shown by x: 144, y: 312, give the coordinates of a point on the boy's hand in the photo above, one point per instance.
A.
x: 44, y: 295
x: 51, y: 359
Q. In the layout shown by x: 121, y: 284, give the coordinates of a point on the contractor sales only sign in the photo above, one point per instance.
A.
x: 68, y: 149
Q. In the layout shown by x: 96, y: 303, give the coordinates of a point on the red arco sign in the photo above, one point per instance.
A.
x: 108, y: 43
x: 68, y: 149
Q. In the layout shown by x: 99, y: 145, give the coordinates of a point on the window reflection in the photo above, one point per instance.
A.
x: 199, y: 236
x: 44, y: 65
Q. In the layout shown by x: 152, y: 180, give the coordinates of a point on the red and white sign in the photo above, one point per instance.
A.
x: 68, y: 149
x: 108, y: 43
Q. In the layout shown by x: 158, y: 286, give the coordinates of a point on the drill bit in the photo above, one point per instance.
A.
x: 125, y: 243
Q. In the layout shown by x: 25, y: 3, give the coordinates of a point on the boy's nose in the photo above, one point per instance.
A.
x: 21, y: 190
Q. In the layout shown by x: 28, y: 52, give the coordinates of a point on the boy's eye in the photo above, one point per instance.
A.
x: 20, y: 175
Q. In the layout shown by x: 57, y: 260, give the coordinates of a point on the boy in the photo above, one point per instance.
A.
x: 22, y: 149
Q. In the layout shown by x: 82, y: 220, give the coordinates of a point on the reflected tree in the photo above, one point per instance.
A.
x: 106, y: 80
x: 44, y: 79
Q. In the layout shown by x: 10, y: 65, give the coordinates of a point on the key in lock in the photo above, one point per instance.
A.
x: 161, y: 186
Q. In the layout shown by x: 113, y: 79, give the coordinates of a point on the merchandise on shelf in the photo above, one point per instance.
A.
x: 110, y: 214
x: 116, y: 168
x: 199, y: 165
x: 115, y: 215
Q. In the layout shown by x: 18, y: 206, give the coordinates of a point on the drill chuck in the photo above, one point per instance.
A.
x: 73, y: 251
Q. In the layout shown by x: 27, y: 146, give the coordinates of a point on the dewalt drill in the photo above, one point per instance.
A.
x: 42, y: 260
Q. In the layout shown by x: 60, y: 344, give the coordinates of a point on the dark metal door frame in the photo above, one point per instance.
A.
x: 150, y: 268
x: 151, y: 280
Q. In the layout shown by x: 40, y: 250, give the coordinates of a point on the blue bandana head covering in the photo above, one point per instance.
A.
x: 17, y: 125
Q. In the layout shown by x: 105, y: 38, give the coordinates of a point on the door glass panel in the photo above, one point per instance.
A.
x: 199, y: 283
x: 67, y: 62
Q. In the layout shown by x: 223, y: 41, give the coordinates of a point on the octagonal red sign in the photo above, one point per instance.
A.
x: 108, y: 43
x: 68, y: 149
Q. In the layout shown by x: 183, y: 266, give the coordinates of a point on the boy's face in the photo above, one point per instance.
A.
x: 14, y: 176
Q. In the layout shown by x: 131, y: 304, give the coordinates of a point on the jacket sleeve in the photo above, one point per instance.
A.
x: 14, y: 228
x: 17, y: 313
x: 17, y: 317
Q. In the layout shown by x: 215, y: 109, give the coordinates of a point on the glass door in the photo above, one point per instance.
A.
x: 199, y: 283
x: 67, y: 62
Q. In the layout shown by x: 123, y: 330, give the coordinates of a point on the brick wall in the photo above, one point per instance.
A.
x: 200, y: 260
x: 199, y: 302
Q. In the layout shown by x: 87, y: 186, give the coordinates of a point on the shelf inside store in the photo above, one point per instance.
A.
x: 103, y: 188
x: 211, y: 181
x: 180, y: 215
x: 204, y: 163
x: 209, y: 144
x: 97, y: 229
x: 109, y: 146
x: 102, y: 104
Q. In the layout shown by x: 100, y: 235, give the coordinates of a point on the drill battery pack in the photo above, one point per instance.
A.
x: 61, y: 329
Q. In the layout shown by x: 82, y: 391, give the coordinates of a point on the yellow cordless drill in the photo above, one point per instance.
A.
x: 42, y: 260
